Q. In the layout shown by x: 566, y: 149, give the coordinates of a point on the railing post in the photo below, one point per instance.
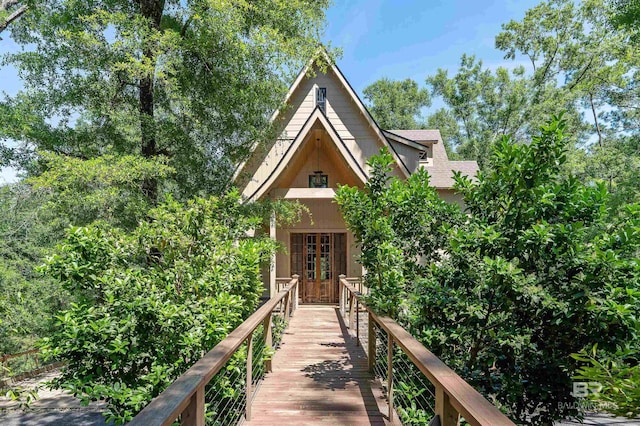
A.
x: 296, y: 294
x: 341, y: 291
x: 287, y: 301
x: 249, y: 384
x: 390, y: 374
x: 268, y: 342
x: 351, y: 310
x: 371, y: 352
x: 448, y: 415
x: 193, y: 415
x: 357, y: 322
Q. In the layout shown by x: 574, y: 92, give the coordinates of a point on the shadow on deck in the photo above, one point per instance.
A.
x: 320, y: 376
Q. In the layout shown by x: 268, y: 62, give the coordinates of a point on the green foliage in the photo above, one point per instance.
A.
x: 107, y: 187
x: 537, y: 271
x: 27, y: 299
x: 396, y: 104
x: 394, y: 221
x: 195, y: 81
x: 152, y: 301
x: 627, y: 15
x: 617, y: 375
x: 483, y: 105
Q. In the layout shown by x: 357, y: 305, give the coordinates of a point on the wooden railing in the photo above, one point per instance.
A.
x: 22, y: 365
x: 454, y: 398
x: 185, y: 397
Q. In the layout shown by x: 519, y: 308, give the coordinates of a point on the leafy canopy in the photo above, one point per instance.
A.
x: 195, y: 81
x: 152, y: 301
x: 396, y: 104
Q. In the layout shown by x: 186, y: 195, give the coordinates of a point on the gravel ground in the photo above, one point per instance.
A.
x: 53, y: 407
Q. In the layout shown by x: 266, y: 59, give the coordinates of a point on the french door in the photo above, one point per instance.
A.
x: 319, y: 258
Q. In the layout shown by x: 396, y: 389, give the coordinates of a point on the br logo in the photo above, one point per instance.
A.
x: 583, y: 389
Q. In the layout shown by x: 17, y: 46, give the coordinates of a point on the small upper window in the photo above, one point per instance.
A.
x: 318, y: 180
x: 424, y: 155
x: 321, y: 98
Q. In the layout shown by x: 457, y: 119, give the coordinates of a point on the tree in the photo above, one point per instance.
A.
x: 152, y: 301
x: 483, y: 106
x: 27, y: 298
x: 394, y: 221
x: 626, y: 14
x: 195, y: 82
x: 577, y: 47
x: 536, y: 271
x: 396, y: 104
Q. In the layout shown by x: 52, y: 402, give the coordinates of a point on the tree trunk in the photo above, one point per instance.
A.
x: 152, y: 10
x: 595, y: 119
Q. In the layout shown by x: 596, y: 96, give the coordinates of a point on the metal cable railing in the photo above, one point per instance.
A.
x: 419, y: 388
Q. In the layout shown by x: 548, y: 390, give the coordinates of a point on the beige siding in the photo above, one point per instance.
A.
x: 267, y: 166
x: 342, y: 112
x: 303, y: 104
x: 301, y: 107
x: 408, y: 155
x: 450, y: 196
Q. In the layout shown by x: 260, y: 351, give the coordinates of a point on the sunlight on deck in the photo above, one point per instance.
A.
x: 320, y: 376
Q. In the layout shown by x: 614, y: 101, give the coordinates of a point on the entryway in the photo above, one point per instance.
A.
x: 319, y: 258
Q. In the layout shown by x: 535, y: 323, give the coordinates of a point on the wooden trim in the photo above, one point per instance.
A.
x: 403, y: 140
x: 354, y: 97
x: 316, y: 115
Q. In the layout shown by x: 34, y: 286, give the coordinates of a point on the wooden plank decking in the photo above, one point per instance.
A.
x: 319, y: 377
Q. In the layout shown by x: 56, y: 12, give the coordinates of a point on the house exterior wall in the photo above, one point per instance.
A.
x: 450, y: 196
x: 352, y: 128
x: 407, y: 154
x: 338, y: 141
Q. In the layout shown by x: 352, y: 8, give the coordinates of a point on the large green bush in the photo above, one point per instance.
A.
x: 151, y: 302
x: 536, y: 272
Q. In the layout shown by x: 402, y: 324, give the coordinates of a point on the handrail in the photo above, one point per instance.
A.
x: 454, y: 396
x: 6, y: 357
x: 185, y: 396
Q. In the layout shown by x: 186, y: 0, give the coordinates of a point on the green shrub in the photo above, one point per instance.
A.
x: 151, y: 302
x: 535, y: 272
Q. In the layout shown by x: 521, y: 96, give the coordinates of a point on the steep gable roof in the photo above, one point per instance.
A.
x: 359, y: 107
x: 317, y: 116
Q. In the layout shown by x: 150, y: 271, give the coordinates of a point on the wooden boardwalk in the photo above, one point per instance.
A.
x: 319, y: 377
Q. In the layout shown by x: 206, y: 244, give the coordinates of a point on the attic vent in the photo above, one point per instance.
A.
x: 424, y: 155
x: 321, y: 98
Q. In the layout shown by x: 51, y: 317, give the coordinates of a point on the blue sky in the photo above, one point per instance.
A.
x: 397, y: 39
x: 412, y: 39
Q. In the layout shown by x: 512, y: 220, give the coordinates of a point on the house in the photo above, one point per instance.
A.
x: 327, y: 137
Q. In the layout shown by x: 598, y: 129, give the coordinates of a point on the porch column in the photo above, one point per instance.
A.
x: 272, y: 267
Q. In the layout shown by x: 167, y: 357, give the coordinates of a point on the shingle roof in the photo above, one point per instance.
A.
x: 419, y: 135
x: 442, y: 174
x: 441, y: 170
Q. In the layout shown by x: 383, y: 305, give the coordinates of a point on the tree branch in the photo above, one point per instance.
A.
x: 15, y: 15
